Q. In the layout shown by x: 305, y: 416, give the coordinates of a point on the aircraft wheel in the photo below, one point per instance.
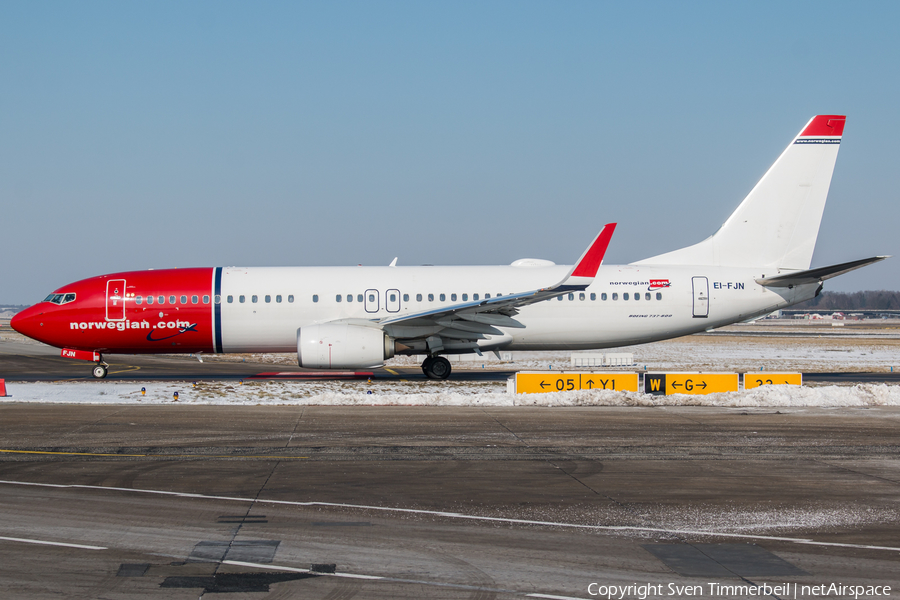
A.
x: 426, y: 364
x: 437, y: 368
x: 100, y: 371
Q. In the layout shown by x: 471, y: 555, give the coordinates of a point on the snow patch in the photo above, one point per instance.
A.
x: 392, y: 393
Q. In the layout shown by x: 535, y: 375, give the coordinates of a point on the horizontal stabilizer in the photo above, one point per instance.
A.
x: 817, y: 275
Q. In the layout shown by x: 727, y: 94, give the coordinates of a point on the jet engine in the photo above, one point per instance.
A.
x: 342, y: 346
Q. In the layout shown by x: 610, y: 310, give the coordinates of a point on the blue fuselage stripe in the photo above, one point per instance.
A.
x: 217, y: 319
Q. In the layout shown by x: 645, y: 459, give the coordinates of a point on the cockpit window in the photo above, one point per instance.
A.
x: 60, y: 298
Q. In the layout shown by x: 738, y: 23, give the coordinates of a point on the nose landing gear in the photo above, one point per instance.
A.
x: 436, y: 367
x: 101, y: 370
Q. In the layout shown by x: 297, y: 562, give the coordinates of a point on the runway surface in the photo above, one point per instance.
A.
x: 24, y: 361
x: 423, y: 502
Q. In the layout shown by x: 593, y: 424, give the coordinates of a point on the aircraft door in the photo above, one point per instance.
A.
x: 115, y: 300
x: 371, y: 301
x: 392, y: 301
x: 701, y: 297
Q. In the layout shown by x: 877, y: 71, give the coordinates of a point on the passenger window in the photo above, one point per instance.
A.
x: 647, y: 296
x: 659, y: 295
x: 230, y: 299
x: 393, y: 297
x: 338, y: 298
x: 616, y: 296
x: 241, y: 299
x: 453, y: 297
x: 418, y: 297
x: 371, y: 297
x: 184, y: 299
x: 206, y: 300
x: 268, y: 299
x: 217, y: 299
x: 443, y: 297
x: 359, y: 298
x: 254, y: 298
x: 593, y: 296
x: 349, y: 297
x: 431, y: 297
x: 637, y: 296
x: 194, y: 299
x: 278, y: 298
x: 291, y: 298
x: 603, y: 296
x: 581, y: 296
x: 139, y: 300
x: 559, y: 298
x: 162, y: 299
x: 149, y: 299
x: 406, y: 297
x: 171, y: 299
x: 315, y: 297
x: 571, y: 297
x: 474, y: 296
x: 465, y: 297
x: 486, y: 296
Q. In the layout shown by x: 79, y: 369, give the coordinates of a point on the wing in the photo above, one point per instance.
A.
x: 467, y: 322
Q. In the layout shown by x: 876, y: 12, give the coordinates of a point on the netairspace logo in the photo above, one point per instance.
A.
x: 717, y: 590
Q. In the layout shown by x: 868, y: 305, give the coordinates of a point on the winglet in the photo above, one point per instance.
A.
x: 592, y: 258
x: 585, y: 269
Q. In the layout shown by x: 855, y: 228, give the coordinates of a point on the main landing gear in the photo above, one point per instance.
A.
x: 436, y: 367
x: 100, y: 370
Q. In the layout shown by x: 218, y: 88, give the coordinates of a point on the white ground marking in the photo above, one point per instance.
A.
x: 455, y: 515
x: 391, y: 579
x: 46, y: 543
x: 296, y: 570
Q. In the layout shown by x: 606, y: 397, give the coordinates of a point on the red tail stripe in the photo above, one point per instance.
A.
x: 826, y: 125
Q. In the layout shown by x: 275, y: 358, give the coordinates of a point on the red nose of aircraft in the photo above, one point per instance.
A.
x: 28, y: 322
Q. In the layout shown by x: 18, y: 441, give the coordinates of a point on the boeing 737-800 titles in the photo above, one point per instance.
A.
x: 357, y: 317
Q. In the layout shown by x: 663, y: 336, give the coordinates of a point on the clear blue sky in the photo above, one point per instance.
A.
x: 155, y: 134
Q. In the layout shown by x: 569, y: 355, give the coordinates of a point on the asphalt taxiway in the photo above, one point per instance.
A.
x: 424, y: 502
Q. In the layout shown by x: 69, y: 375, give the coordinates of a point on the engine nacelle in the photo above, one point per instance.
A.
x: 342, y: 346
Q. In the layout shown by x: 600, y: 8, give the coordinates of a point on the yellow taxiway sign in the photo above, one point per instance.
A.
x: 690, y: 383
x: 755, y: 380
x: 542, y: 383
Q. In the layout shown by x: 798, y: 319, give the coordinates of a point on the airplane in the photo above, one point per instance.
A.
x: 358, y: 317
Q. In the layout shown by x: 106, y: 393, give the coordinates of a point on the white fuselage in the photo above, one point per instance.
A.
x: 662, y: 302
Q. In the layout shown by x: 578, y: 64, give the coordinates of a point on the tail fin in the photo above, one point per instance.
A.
x: 777, y: 223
